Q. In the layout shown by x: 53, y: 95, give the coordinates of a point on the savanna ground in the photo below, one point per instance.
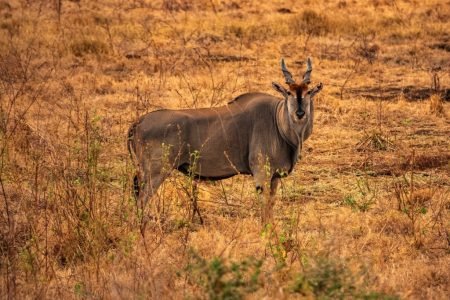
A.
x: 365, y: 214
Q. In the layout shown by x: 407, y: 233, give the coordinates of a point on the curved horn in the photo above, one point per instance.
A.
x: 307, y: 75
x: 286, y: 73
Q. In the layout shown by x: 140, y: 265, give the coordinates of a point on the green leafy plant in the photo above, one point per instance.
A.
x: 281, y: 241
x: 324, y: 278
x: 80, y: 290
x: 364, y: 198
x: 414, y: 204
x: 221, y: 279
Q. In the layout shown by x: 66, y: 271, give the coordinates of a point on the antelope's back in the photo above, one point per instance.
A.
x: 220, y: 136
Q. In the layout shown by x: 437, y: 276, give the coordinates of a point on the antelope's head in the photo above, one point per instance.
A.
x: 298, y: 96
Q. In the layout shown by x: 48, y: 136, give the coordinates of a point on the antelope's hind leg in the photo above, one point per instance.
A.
x: 194, y: 198
x: 149, y: 178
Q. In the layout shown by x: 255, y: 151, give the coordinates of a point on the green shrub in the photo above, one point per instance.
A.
x: 220, y: 279
x: 329, y: 279
x: 364, y: 197
x: 324, y: 279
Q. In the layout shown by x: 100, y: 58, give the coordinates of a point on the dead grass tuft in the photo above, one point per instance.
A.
x: 426, y: 161
x: 310, y: 23
x: 436, y: 105
x: 375, y: 141
x: 89, y: 46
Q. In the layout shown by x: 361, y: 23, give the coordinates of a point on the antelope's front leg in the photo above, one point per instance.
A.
x: 271, y: 199
x: 261, y: 192
x: 266, y: 189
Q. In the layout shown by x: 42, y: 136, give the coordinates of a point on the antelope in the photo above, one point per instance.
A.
x: 255, y: 134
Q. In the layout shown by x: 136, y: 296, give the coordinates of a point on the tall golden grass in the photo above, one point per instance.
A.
x: 365, y: 213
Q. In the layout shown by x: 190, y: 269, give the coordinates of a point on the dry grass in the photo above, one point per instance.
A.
x: 348, y: 223
x: 436, y: 106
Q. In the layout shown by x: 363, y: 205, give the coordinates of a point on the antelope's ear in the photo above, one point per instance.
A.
x: 317, y: 89
x: 280, y: 89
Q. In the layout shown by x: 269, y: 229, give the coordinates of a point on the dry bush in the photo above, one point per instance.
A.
x: 56, y: 195
x: 424, y: 207
x: 310, y: 23
x: 176, y: 5
x: 367, y: 49
x: 375, y: 141
x: 89, y: 46
x: 436, y: 105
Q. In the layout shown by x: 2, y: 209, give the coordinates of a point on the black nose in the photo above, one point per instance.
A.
x: 300, y: 113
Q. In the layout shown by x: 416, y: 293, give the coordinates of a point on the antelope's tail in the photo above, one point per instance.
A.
x: 132, y: 150
x: 130, y: 142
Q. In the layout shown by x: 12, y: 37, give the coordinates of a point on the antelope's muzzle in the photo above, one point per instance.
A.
x: 300, y: 112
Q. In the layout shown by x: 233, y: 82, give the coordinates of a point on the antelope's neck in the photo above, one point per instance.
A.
x: 309, y: 126
x: 285, y: 127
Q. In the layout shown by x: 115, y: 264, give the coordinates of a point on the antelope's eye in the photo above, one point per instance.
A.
x: 289, y: 93
x: 309, y: 92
